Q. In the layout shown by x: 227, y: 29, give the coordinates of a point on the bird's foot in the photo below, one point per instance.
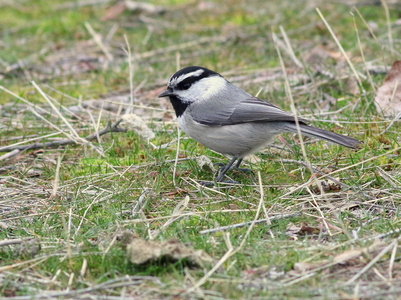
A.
x: 220, y: 165
x: 234, y: 168
x: 212, y: 184
x: 243, y: 170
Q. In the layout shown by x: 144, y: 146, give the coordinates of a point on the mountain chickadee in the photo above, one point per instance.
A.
x: 226, y: 119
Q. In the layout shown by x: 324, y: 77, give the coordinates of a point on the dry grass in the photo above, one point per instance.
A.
x: 315, y: 221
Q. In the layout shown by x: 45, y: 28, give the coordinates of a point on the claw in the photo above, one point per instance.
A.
x: 244, y: 170
x: 212, y: 184
x: 207, y: 183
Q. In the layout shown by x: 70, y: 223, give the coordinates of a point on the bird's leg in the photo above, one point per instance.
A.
x: 224, y: 171
x: 222, y: 166
x: 235, y: 167
x: 238, y: 163
x: 245, y: 170
x: 226, y: 168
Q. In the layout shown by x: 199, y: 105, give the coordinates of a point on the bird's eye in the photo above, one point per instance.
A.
x: 186, y: 86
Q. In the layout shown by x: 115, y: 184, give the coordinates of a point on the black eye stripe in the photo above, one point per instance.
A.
x: 187, y: 82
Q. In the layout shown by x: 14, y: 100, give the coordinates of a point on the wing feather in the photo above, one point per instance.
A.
x: 246, y: 111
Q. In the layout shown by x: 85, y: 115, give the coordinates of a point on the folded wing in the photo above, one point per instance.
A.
x: 247, y: 111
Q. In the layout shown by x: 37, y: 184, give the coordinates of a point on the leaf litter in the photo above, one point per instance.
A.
x: 388, y: 96
x: 26, y: 206
x: 140, y: 251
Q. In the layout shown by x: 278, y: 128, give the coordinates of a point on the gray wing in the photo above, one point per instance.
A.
x: 246, y: 111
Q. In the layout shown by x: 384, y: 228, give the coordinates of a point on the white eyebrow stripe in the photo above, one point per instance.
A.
x: 177, y: 80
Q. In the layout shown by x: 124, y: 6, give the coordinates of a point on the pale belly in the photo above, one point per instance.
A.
x: 236, y: 140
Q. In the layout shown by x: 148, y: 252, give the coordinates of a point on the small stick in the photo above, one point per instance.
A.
x: 391, y: 263
x: 372, y: 262
x: 316, y: 170
x: 390, y: 36
x: 98, y: 40
x: 12, y: 242
x: 9, y: 154
x: 340, y: 47
x: 143, y: 199
x: 222, y: 228
x: 109, y: 128
x: 289, y: 48
x: 131, y: 73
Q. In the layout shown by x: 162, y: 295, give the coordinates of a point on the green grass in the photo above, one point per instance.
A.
x: 80, y: 223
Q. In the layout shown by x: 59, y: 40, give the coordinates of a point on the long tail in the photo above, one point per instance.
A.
x: 326, y: 135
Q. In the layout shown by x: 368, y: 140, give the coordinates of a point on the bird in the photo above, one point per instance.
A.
x: 227, y: 119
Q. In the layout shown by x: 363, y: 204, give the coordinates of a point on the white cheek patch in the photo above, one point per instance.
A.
x: 213, y: 86
x: 204, y: 89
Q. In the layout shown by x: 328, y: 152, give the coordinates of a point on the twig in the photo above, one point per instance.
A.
x: 177, y: 214
x: 142, y: 201
x: 367, y: 25
x: 222, y: 228
x: 294, y: 111
x: 383, y: 235
x: 391, y: 180
x: 340, y: 47
x: 75, y: 4
x: 316, y: 170
x: 363, y: 57
x: 289, y: 49
x: 13, y: 242
x: 9, y: 154
x: 109, y: 128
x: 24, y: 100
x: 131, y: 74
x: 391, y: 263
x: 396, y: 118
x: 31, y: 140
x: 372, y: 262
x: 98, y: 40
x: 94, y: 201
x: 72, y: 130
x: 300, y: 187
x: 388, y: 21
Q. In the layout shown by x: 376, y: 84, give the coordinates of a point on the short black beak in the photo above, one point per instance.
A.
x: 166, y: 93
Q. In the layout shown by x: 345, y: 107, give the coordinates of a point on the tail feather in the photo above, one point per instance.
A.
x: 327, y: 135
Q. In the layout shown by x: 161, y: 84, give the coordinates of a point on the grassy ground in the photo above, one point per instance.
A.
x: 63, y: 210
